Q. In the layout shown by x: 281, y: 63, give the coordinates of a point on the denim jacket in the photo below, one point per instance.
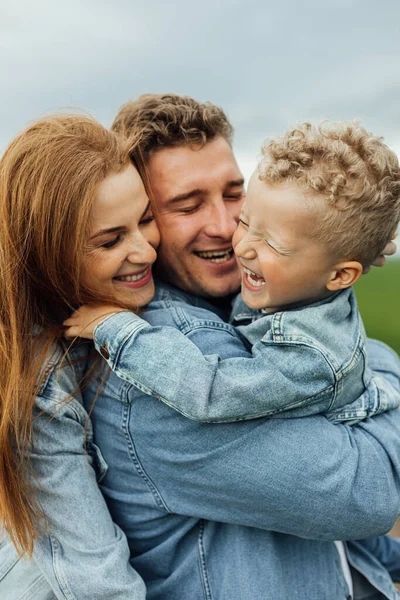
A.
x: 82, y: 554
x: 246, y: 510
x: 304, y: 361
x: 241, y: 511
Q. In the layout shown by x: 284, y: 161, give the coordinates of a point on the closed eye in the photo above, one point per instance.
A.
x: 112, y: 242
x: 280, y: 252
x: 146, y: 220
x: 189, y: 209
x: 238, y: 196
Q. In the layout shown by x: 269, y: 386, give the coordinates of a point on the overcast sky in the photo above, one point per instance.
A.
x: 268, y: 63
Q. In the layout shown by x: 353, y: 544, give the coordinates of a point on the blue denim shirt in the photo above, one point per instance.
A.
x: 245, y: 510
x: 303, y: 361
x: 82, y: 554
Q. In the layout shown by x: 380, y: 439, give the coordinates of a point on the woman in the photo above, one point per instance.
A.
x: 61, y: 245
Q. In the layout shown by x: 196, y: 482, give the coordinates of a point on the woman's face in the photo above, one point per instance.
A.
x: 122, y: 240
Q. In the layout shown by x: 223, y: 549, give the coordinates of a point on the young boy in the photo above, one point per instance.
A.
x: 321, y: 206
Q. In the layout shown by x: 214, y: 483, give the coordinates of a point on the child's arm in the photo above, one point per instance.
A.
x: 162, y: 362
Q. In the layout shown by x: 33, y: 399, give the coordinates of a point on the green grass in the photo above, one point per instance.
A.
x: 378, y: 295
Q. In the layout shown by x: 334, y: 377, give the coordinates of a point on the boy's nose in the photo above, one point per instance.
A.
x: 244, y: 248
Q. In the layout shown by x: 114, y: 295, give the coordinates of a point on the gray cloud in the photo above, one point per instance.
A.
x: 269, y: 64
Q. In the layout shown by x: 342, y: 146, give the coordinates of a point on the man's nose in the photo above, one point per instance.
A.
x: 221, y: 221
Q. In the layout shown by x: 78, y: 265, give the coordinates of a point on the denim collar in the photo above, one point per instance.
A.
x: 166, y: 291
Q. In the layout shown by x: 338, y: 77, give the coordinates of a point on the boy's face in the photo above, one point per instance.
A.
x: 280, y: 262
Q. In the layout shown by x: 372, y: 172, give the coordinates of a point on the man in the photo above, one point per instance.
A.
x: 235, y: 511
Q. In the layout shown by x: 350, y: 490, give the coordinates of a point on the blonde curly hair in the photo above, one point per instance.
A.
x: 356, y: 174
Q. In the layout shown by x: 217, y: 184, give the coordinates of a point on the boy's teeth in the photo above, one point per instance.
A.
x: 254, y: 279
x: 130, y: 278
x: 217, y: 256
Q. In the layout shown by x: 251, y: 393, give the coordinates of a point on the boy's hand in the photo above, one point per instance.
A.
x: 389, y: 249
x: 84, y: 320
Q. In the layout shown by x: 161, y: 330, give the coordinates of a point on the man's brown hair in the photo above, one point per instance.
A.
x: 350, y: 177
x: 168, y: 120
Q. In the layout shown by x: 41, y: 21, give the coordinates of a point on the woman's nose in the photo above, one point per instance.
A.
x: 141, y: 251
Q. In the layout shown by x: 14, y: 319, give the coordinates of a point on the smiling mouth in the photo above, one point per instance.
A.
x: 216, y: 256
x: 254, y: 279
x: 133, y: 277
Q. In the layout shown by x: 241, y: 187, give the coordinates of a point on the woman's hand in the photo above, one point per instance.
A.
x: 84, y: 320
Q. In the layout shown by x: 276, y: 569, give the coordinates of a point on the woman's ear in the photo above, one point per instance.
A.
x: 344, y: 275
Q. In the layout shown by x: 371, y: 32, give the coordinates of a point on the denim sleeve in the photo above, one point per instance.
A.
x: 305, y: 476
x: 208, y: 375
x: 214, y: 387
x: 82, y: 553
x: 387, y: 550
x: 385, y: 361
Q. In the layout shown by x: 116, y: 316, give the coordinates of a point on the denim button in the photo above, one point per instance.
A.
x: 104, y: 352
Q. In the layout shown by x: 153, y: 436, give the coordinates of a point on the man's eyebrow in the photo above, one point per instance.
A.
x: 105, y: 231
x: 185, y: 196
x: 235, y: 183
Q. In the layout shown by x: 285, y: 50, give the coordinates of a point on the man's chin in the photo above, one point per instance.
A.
x: 217, y: 280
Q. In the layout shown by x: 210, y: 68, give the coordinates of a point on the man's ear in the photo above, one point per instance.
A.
x: 344, y: 275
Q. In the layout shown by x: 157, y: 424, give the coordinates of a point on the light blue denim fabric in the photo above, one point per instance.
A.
x: 246, y: 510
x: 304, y: 361
x: 20, y: 579
x: 82, y: 553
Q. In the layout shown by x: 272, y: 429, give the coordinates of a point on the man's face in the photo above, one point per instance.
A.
x: 198, y: 194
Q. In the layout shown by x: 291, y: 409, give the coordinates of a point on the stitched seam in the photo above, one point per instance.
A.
x: 39, y: 584
x: 362, y: 413
x: 137, y: 464
x: 122, y: 344
x: 8, y: 566
x: 279, y: 336
x: 202, y: 563
x: 180, y: 317
x: 295, y: 341
x: 58, y: 571
x: 208, y: 325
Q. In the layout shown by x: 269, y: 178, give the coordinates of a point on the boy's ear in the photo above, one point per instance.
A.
x: 344, y: 275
